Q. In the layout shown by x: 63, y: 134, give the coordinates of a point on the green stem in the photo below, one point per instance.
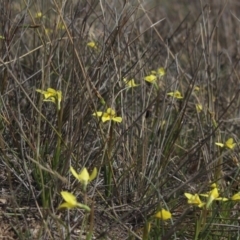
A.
x: 108, y: 166
x: 59, y: 140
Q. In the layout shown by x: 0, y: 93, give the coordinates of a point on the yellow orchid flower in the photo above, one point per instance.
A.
x: 175, y: 94
x: 150, y: 78
x: 161, y: 72
x: 52, y: 95
x: 84, y: 176
x: 163, y: 214
x: 92, y: 44
x: 71, y: 202
x: 213, y: 195
x: 194, y: 199
x: 110, y: 114
x: 228, y: 144
x: 130, y: 83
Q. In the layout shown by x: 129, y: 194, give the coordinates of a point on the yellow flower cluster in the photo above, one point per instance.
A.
x: 213, y: 195
x: 84, y: 178
x: 160, y: 72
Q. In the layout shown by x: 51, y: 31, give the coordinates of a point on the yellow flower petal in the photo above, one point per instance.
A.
x: 230, y: 144
x: 74, y: 173
x: 106, y: 118
x: 188, y: 195
x: 213, y: 195
x: 213, y: 185
x: 117, y: 119
x: 204, y: 195
x: 194, y: 199
x: 150, y: 78
x: 175, y: 94
x: 84, y: 176
x: 236, y: 197
x: 66, y: 205
x: 219, y: 144
x: 40, y: 91
x: 130, y: 83
x: 223, y: 199
x: 161, y: 72
x: 51, y: 90
x: 163, y: 214
x: 196, y: 88
x: 93, y: 175
x: 49, y: 99
x: 69, y: 198
x: 71, y: 201
x: 110, y: 114
x: 99, y: 114
x: 199, y: 107
x: 92, y: 44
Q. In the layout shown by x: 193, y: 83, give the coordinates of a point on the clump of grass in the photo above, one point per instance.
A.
x: 143, y: 96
